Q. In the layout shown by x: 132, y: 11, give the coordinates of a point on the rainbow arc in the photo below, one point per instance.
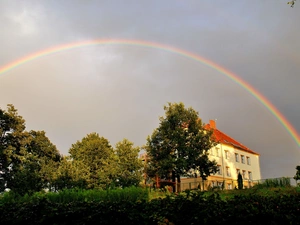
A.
x: 146, y: 44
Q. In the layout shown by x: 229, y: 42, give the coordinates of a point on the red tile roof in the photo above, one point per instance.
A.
x: 225, y: 139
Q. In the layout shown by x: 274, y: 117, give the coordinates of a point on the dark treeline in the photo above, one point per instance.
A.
x: 29, y: 162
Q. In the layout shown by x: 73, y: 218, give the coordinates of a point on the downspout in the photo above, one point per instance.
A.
x: 223, y: 168
x: 258, y: 159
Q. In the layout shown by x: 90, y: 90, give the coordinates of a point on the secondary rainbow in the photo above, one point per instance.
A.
x: 146, y: 44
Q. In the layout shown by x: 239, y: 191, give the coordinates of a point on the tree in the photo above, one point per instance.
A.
x: 27, y: 159
x: 292, y: 3
x: 12, y: 142
x: 179, y: 146
x: 71, y: 174
x: 96, y: 154
x: 129, y: 165
x: 240, y: 181
x: 44, y: 154
x: 297, y: 176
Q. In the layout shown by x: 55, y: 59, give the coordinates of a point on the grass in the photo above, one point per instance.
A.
x: 269, y: 187
x: 257, y: 190
x: 158, y: 193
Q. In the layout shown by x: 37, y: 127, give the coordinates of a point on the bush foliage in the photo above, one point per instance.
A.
x: 132, y: 206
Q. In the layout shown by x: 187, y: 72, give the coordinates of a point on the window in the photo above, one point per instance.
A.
x: 237, y: 157
x: 237, y: 171
x: 211, y: 151
x: 248, y: 160
x: 219, y: 170
x: 220, y: 184
x: 228, y: 172
x: 243, y: 159
x: 217, y: 152
x: 229, y: 185
x: 244, y: 174
x: 250, y: 175
x: 226, y: 154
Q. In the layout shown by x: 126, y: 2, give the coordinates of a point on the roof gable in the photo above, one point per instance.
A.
x: 225, y: 139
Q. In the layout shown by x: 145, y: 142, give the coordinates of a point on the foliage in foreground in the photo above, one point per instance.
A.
x: 131, y: 194
x: 190, y: 207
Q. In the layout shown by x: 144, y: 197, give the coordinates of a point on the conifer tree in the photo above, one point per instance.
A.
x: 240, y: 181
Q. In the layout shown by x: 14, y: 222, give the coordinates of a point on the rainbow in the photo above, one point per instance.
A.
x: 146, y: 44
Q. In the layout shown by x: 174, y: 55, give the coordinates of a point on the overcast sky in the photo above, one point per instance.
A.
x: 119, y: 91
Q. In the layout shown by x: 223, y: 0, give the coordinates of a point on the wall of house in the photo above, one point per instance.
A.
x: 225, y: 156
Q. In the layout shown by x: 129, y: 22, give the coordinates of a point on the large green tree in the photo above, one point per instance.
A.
x: 44, y: 155
x: 129, y: 165
x: 27, y: 159
x: 71, y: 174
x: 97, y: 155
x: 12, y: 142
x: 179, y: 146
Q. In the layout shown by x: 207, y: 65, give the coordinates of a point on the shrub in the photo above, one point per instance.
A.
x: 275, y: 182
x: 116, y: 207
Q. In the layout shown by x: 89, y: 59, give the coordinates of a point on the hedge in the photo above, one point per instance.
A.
x: 186, y: 208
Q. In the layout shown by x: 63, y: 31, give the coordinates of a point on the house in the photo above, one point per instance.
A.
x: 232, y: 158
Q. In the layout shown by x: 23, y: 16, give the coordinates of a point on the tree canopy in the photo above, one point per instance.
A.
x: 97, y: 155
x: 179, y: 146
x: 105, y: 166
x: 27, y: 159
x: 129, y: 165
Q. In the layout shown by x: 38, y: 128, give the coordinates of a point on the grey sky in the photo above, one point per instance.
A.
x: 119, y: 91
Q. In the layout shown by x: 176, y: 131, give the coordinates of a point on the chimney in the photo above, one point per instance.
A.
x: 212, y: 124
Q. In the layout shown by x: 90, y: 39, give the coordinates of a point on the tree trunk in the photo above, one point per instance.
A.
x: 203, y: 182
x: 178, y: 184
x: 173, y: 180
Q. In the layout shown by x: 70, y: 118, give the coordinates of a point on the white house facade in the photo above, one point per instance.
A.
x: 232, y: 158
